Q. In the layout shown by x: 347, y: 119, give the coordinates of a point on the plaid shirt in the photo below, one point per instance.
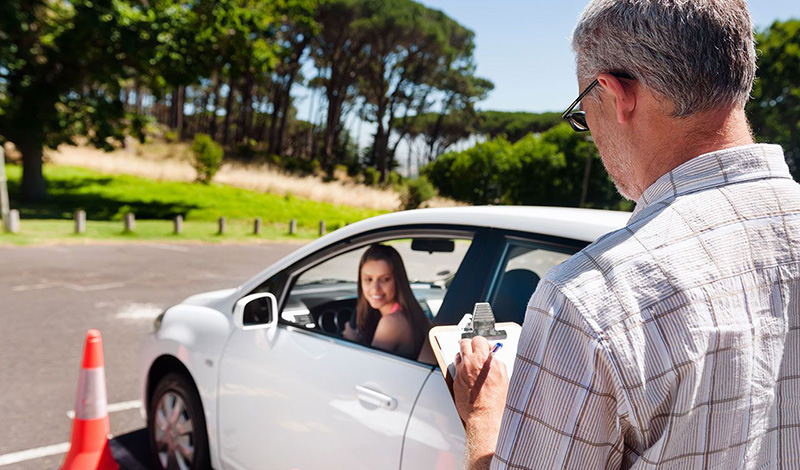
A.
x: 675, y: 341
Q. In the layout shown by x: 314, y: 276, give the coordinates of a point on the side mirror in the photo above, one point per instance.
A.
x: 256, y: 311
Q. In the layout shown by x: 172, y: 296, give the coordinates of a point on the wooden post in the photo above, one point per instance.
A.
x: 178, y: 224
x: 80, y: 221
x: 130, y: 222
x: 321, y: 228
x: 13, y: 221
x: 257, y: 226
x: 222, y: 221
x: 293, y: 227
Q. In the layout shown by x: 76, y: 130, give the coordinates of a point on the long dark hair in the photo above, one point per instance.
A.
x: 367, y: 317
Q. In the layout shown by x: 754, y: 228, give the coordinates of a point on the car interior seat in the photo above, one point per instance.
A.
x: 511, y: 300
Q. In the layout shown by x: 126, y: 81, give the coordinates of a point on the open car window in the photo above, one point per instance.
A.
x: 323, y: 297
x: 523, y: 265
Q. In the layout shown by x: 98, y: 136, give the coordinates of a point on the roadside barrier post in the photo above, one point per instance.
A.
x: 293, y: 227
x: 321, y: 228
x: 257, y: 226
x: 80, y: 221
x: 130, y: 222
x: 222, y: 221
x: 13, y: 221
x: 89, y: 447
x: 178, y: 224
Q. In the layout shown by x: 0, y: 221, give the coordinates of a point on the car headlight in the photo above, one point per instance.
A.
x: 157, y: 321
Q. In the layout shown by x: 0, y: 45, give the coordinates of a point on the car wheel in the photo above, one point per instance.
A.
x: 176, y: 426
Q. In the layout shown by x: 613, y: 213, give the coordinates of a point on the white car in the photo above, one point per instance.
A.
x: 260, y: 377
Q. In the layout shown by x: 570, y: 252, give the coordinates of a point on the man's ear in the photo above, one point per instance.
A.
x: 624, y: 95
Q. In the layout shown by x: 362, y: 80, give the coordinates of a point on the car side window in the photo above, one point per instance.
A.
x: 523, y: 265
x: 324, y: 297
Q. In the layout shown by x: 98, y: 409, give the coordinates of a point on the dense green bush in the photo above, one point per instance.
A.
x: 371, y: 176
x: 416, y: 192
x: 207, y: 157
x: 472, y: 175
x: 544, y: 169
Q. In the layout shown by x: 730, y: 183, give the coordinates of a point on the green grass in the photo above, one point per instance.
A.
x: 106, y: 198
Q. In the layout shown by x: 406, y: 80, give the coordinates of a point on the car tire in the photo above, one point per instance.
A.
x: 176, y: 426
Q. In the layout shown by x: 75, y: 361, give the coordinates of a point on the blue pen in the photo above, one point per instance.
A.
x: 497, y: 347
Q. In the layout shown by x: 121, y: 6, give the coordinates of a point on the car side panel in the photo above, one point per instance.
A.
x: 195, y: 336
x: 435, y: 437
x: 290, y: 399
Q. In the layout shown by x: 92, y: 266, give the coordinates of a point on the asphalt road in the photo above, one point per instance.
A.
x: 50, y: 296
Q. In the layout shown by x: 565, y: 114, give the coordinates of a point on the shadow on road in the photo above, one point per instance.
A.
x: 132, y: 450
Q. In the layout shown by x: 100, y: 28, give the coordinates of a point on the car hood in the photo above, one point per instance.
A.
x: 213, y: 299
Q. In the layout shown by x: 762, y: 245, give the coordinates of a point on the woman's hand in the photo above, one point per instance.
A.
x: 350, y: 333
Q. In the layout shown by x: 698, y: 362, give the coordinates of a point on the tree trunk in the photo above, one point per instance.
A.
x: 138, y: 98
x: 212, y: 121
x: 226, y: 125
x: 242, y: 129
x: 287, y: 101
x: 34, y: 187
x: 179, y: 112
x: 272, y: 137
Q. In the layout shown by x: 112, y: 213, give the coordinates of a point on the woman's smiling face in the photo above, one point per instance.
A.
x: 377, y: 284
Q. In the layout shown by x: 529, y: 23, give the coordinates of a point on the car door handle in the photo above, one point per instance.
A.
x: 372, y: 397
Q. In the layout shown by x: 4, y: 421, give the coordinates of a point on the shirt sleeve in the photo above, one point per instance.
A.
x: 562, y: 405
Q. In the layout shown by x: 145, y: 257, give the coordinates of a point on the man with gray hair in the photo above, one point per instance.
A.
x: 675, y: 341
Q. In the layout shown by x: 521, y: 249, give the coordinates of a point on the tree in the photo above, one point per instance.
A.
x: 514, y: 125
x: 294, y: 38
x: 774, y: 110
x: 338, y: 55
x: 61, y: 64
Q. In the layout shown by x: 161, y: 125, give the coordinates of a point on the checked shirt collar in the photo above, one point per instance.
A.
x: 711, y: 170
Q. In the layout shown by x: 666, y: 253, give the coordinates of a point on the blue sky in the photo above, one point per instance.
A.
x: 523, y: 46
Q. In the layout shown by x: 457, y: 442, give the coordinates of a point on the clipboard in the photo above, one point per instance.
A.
x: 445, y: 343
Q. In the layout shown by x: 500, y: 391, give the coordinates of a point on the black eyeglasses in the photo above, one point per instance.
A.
x: 577, y: 118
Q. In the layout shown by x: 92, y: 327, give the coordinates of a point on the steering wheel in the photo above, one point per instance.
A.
x: 334, y: 316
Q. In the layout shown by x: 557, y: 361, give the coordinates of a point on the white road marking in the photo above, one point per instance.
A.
x: 182, y: 249
x: 110, y: 285
x: 114, y: 407
x: 139, y: 312
x: 39, y: 452
x: 76, y: 287
x: 43, y: 285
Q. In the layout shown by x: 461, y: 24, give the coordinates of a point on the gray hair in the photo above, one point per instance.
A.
x: 698, y: 54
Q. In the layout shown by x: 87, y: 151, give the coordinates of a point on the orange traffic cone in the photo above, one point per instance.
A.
x: 89, y: 448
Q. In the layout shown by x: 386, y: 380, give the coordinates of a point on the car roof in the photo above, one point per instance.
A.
x: 579, y: 224
x: 573, y: 223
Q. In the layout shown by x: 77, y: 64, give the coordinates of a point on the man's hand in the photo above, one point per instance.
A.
x: 480, y: 387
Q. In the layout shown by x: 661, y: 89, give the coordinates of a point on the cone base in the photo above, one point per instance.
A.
x: 89, y: 448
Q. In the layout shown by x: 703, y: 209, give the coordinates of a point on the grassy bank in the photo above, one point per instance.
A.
x: 106, y: 198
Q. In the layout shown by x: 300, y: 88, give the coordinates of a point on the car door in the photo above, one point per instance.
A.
x: 299, y: 396
x: 514, y: 263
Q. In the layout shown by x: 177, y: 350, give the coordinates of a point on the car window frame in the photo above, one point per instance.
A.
x: 287, y: 277
x: 564, y: 245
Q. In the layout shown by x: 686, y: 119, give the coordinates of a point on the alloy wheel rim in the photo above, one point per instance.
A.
x: 174, y: 433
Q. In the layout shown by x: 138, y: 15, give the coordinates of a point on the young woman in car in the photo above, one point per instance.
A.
x: 388, y: 317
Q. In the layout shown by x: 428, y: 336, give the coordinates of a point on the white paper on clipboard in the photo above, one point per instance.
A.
x: 446, y: 340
